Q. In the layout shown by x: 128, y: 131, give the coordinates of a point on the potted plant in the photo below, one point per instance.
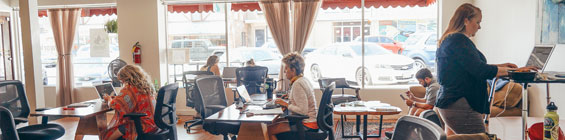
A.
x: 111, y: 26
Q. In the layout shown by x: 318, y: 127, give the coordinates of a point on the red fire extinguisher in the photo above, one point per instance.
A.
x: 136, y: 53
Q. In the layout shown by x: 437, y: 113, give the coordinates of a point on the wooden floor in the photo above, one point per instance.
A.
x: 197, y: 133
x: 70, y: 125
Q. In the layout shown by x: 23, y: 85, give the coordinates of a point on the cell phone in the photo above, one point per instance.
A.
x: 403, y: 98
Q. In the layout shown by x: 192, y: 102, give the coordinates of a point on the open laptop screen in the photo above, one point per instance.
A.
x: 539, y: 56
x: 105, y: 89
x: 242, y: 91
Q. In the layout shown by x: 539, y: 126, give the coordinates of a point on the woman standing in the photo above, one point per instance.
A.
x: 462, y: 73
x: 136, y: 97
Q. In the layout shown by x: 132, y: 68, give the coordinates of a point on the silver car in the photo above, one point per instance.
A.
x: 344, y: 60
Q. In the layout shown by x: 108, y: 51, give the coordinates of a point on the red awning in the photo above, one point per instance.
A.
x: 200, y: 8
x: 88, y: 12
x: 374, y: 3
x: 254, y: 6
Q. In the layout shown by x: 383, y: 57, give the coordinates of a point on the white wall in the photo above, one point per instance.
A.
x: 446, y: 10
x: 508, y: 35
x: 5, y: 5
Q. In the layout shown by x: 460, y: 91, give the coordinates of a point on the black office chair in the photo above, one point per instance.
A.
x: 213, y: 99
x: 432, y: 116
x: 7, y: 125
x: 343, y: 98
x: 165, y: 116
x: 188, y: 79
x: 414, y: 128
x: 254, y: 78
x: 13, y: 98
x: 340, y: 83
x: 324, y: 120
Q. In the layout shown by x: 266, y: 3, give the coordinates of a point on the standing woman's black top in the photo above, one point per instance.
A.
x: 462, y: 72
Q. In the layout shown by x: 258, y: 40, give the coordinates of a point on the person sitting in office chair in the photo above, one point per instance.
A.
x: 136, y: 97
x: 426, y: 79
x: 212, y: 65
x: 301, y: 98
x: 250, y: 63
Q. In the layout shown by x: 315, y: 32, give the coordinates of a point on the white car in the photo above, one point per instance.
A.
x: 344, y: 60
x: 261, y: 56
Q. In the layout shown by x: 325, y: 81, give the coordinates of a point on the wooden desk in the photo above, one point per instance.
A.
x: 252, y: 127
x: 507, y: 128
x: 92, y: 119
x: 358, y: 111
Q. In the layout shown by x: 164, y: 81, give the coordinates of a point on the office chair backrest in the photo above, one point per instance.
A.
x: 13, y: 98
x: 165, y: 112
x: 414, y: 128
x: 325, y: 111
x: 211, y: 89
x: 252, y: 77
x: 431, y: 115
x: 7, y: 125
x: 189, y: 76
x: 339, y: 82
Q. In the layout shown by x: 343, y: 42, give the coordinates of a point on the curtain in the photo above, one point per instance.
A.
x: 303, y: 21
x: 63, y: 23
x: 277, y: 14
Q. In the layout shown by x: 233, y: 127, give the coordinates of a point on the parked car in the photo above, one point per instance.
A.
x: 199, y: 49
x: 384, y: 41
x: 344, y: 60
x: 273, y: 47
x: 261, y: 56
x: 422, y: 48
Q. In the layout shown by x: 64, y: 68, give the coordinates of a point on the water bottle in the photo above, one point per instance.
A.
x: 551, y: 123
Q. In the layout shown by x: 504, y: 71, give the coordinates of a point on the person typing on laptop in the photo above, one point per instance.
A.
x: 301, y: 99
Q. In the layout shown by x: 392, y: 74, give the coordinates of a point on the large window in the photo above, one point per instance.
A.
x: 393, y: 50
x: 203, y: 33
x: 89, y: 64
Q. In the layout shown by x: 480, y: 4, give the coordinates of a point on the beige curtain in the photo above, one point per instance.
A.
x: 63, y: 23
x: 303, y: 19
x: 277, y: 14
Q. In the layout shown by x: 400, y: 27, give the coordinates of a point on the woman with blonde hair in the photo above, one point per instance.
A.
x: 301, y: 98
x: 135, y: 97
x: 212, y: 65
x: 462, y: 73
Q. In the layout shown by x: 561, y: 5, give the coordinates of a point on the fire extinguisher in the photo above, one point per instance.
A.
x: 136, y: 50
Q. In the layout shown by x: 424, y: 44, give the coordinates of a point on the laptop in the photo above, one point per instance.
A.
x: 244, y: 95
x: 228, y: 74
x: 540, y: 56
x: 105, y: 89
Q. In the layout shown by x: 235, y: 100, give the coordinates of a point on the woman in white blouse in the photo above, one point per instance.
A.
x: 301, y: 99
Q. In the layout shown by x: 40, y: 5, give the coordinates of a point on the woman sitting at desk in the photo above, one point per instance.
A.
x: 301, y: 99
x: 135, y: 97
x: 212, y: 65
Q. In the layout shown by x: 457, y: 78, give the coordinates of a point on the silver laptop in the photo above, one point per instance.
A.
x: 244, y: 95
x: 105, y: 89
x: 228, y: 74
x: 540, y: 56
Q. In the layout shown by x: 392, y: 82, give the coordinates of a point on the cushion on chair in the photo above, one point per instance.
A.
x: 418, y: 91
x: 337, y: 99
x: 514, y: 95
x: 41, y: 132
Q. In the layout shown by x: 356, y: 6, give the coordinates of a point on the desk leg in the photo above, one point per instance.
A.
x: 357, y: 123
x: 91, y: 125
x: 253, y: 131
x: 525, y: 111
x: 364, y: 127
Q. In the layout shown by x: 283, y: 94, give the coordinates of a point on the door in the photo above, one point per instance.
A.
x: 6, y: 62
